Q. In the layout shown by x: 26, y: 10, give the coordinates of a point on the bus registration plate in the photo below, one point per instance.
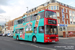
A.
x: 53, y: 41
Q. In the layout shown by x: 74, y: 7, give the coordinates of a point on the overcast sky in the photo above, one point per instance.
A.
x: 11, y: 9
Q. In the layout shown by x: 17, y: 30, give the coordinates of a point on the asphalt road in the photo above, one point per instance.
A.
x: 8, y: 43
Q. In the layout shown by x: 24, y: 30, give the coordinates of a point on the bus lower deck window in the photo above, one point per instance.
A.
x: 35, y: 29
x: 41, y: 29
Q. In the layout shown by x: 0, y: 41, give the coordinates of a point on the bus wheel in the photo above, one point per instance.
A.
x: 34, y: 39
x: 17, y: 38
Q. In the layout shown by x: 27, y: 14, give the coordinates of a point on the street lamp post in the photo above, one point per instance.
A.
x: 27, y: 8
x: 5, y: 21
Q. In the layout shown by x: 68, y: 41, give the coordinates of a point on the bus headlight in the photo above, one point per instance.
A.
x: 48, y: 37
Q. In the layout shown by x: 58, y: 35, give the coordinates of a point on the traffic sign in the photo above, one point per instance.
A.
x: 63, y: 25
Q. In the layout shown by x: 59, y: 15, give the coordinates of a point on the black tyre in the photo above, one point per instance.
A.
x: 34, y: 39
x: 17, y: 38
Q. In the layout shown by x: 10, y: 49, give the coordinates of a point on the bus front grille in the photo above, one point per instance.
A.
x: 52, y: 37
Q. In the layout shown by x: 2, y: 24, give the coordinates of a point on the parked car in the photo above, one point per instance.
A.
x: 4, y: 35
x: 11, y: 35
x: 8, y: 34
x: 1, y: 34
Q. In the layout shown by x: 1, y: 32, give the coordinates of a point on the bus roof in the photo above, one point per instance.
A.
x: 46, y: 10
x: 42, y: 11
x: 49, y: 10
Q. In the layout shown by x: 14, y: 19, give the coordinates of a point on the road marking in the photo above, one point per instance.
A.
x: 43, y: 47
x: 69, y: 43
x: 37, y: 46
x: 22, y: 43
x: 34, y: 45
x: 47, y: 48
x: 6, y: 40
x: 31, y: 45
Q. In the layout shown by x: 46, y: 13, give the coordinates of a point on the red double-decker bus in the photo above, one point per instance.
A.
x: 40, y: 27
x: 50, y: 24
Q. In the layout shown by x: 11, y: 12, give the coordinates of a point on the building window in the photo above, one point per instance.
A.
x: 45, y: 8
x: 69, y: 11
x: 15, y: 22
x: 66, y: 10
x: 51, y: 7
x: 66, y: 16
x: 57, y: 7
x: 73, y: 15
x: 63, y: 9
x: 67, y: 21
x: 54, y: 7
x: 57, y: 13
x: 71, y: 22
x: 64, y: 21
x: 70, y: 14
x: 64, y: 28
x: 58, y: 20
x: 60, y: 28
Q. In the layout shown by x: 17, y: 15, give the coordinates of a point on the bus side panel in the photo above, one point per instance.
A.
x: 32, y: 34
x: 14, y: 35
x: 40, y: 36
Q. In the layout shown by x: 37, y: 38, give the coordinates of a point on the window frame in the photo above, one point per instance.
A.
x: 58, y: 20
x: 43, y: 29
x: 54, y: 7
x: 58, y: 14
x: 22, y: 30
x: 33, y: 17
x: 17, y: 30
x: 51, y: 7
x: 34, y: 29
x: 42, y: 15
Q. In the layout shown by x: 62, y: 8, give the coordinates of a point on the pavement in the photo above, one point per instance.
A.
x: 66, y: 37
x: 8, y: 43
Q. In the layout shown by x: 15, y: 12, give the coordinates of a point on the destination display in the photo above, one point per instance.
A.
x: 51, y: 21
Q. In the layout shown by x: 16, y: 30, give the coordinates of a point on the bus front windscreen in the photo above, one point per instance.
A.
x: 49, y: 29
x: 50, y: 14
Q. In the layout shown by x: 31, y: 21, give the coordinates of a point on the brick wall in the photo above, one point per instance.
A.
x: 9, y: 24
